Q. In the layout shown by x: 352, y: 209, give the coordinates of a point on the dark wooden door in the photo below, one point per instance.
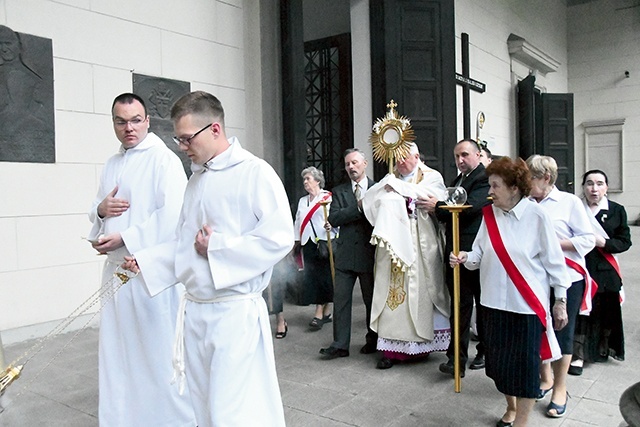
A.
x: 545, y: 126
x: 413, y: 63
x: 557, y: 136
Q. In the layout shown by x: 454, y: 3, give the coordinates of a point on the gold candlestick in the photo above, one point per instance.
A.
x: 455, y: 210
x: 324, y: 204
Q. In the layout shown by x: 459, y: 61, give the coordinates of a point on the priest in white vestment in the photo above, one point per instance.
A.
x: 234, y: 227
x: 137, y: 206
x: 410, y: 309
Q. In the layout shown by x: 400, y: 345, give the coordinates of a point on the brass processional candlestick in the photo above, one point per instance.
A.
x: 12, y: 372
x: 324, y: 204
x: 456, y: 199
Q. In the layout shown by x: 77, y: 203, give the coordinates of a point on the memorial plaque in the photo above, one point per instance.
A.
x: 27, y: 132
x: 159, y: 95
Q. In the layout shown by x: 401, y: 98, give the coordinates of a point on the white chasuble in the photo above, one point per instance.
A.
x: 136, y: 330
x: 228, y: 349
x: 410, y: 306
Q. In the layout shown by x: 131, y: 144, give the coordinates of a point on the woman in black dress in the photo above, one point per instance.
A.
x: 600, y: 334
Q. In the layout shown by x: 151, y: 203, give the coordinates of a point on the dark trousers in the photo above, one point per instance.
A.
x: 342, y: 303
x: 469, y: 292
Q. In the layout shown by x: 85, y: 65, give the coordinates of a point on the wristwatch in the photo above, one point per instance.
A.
x: 562, y: 300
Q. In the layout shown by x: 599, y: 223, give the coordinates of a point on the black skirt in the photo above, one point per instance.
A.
x: 318, y: 287
x: 512, y: 351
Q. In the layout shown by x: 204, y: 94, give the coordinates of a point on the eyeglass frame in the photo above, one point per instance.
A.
x: 187, y: 141
x: 122, y: 123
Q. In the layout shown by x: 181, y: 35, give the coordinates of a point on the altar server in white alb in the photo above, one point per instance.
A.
x: 234, y: 227
x: 137, y: 206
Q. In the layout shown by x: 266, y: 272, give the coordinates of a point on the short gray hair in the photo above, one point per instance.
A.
x: 539, y: 166
x: 315, y: 173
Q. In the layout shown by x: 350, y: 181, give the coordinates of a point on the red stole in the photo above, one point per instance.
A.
x: 517, y: 278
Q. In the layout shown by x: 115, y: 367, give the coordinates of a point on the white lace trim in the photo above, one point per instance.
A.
x: 379, y: 241
x: 440, y: 342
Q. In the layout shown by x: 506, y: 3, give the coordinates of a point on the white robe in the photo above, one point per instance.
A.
x: 230, y: 365
x: 412, y: 316
x: 136, y: 330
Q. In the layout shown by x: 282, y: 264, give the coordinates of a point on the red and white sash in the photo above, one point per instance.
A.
x: 597, y: 228
x: 313, y: 210
x: 549, y: 348
x: 590, y: 286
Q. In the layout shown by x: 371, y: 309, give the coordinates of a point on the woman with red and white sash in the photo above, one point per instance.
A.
x: 576, y: 238
x: 309, y: 230
x: 601, y: 335
x: 520, y: 260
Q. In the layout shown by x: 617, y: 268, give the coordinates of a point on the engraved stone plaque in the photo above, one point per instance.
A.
x: 159, y: 95
x: 27, y: 131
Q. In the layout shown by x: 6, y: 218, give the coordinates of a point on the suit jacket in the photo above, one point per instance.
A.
x: 614, y: 222
x: 353, y: 250
x: 477, y: 187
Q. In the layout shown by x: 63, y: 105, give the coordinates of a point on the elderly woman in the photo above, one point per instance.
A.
x: 311, y: 238
x: 575, y: 234
x: 601, y: 335
x: 520, y: 260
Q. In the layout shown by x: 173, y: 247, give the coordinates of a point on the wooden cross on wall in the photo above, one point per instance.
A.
x: 467, y: 84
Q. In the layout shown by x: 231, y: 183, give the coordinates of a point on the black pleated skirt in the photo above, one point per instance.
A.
x: 512, y: 351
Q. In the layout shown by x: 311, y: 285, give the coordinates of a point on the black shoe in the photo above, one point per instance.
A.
x: 384, y: 363
x: 575, y: 370
x: 332, y: 352
x: 501, y: 423
x: 478, y: 363
x: 368, y: 349
x: 447, y: 368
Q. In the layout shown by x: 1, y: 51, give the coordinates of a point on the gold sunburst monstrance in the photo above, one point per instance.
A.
x: 391, y: 137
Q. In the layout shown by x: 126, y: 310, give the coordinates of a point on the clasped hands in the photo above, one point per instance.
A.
x: 427, y: 203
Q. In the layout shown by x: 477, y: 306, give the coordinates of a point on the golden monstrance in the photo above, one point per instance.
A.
x: 391, y: 137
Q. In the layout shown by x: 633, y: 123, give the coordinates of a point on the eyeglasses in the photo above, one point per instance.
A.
x: 123, y: 123
x: 187, y: 141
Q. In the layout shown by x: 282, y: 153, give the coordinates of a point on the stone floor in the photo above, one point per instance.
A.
x: 61, y: 390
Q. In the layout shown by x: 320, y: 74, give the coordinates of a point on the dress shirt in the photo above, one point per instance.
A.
x: 570, y: 222
x: 530, y: 240
x: 364, y: 185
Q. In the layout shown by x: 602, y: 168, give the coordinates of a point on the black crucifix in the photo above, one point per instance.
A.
x: 467, y: 83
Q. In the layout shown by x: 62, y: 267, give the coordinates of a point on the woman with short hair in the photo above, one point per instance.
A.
x: 601, y: 334
x: 576, y: 238
x: 311, y: 239
x: 520, y: 260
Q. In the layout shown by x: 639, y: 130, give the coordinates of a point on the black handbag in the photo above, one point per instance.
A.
x: 321, y: 245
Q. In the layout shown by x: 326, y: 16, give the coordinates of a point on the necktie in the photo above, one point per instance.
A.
x: 357, y: 192
x: 462, y: 177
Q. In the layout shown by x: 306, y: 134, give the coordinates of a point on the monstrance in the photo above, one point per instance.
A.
x: 391, y: 137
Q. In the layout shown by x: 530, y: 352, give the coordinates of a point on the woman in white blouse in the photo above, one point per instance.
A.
x: 576, y: 238
x: 309, y: 230
x: 520, y: 260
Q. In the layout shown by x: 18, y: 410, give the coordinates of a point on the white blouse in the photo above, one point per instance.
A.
x: 530, y: 240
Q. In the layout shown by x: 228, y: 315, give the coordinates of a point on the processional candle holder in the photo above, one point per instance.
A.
x: 455, y: 203
x: 324, y: 204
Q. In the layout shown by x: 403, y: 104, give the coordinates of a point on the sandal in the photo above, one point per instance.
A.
x: 326, y: 319
x: 543, y: 393
x: 316, y: 323
x: 560, y: 409
x: 280, y: 335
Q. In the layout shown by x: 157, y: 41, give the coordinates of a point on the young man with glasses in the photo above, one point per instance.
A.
x: 137, y: 206
x: 234, y: 227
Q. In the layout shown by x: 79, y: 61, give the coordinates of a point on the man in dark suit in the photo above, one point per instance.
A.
x: 354, y: 255
x: 473, y: 179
